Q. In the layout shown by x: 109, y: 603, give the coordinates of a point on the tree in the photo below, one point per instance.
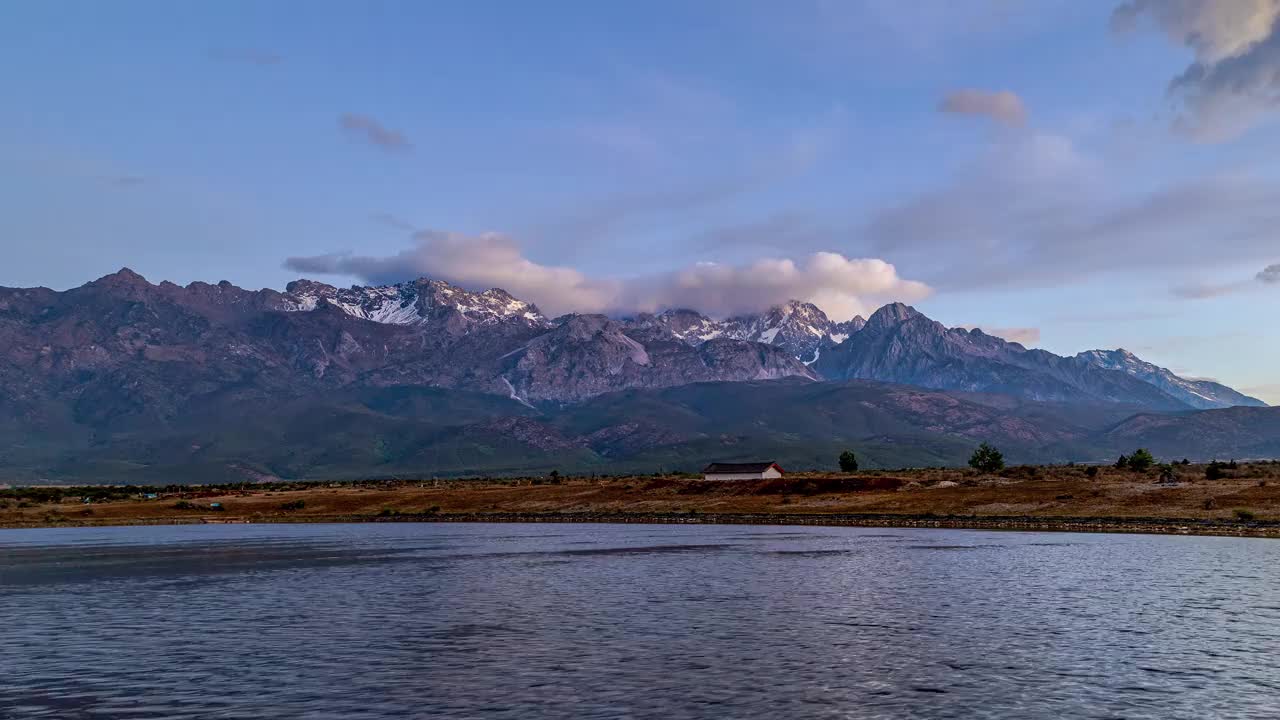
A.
x: 1123, y: 463
x: 848, y: 462
x: 987, y: 459
x: 1141, y: 460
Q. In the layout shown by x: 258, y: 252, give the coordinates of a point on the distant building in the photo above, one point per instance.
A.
x: 742, y: 471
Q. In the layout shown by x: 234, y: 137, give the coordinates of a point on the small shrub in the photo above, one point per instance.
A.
x: 1141, y: 460
x: 987, y: 459
x: 1244, y: 516
x: 185, y: 505
x: 1168, y: 474
x: 293, y: 505
x: 1091, y: 471
x: 1122, y: 463
x: 1210, y: 504
x: 848, y: 461
x: 1214, y: 471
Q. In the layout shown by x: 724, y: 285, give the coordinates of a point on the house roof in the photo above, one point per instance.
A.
x: 755, y: 467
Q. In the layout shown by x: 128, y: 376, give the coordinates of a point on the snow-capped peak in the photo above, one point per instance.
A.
x: 798, y: 327
x: 415, y: 302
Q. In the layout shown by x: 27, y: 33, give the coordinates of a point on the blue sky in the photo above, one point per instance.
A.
x: 1074, y: 174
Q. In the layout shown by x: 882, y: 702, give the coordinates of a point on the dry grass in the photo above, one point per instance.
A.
x: 1251, y: 492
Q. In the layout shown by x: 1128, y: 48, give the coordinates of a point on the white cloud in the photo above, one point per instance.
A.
x: 1235, y: 78
x: 842, y: 287
x: 1003, y: 106
x: 1270, y: 275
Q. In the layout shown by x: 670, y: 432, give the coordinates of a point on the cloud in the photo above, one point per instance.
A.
x: 1205, y: 291
x: 1269, y: 275
x: 246, y: 55
x: 1004, y: 106
x: 1023, y: 335
x: 371, y: 130
x: 841, y: 286
x: 1235, y: 78
x: 392, y: 220
x: 704, y: 182
x: 1034, y: 210
x: 1269, y: 393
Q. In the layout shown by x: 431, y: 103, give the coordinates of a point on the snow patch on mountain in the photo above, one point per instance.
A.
x: 800, y: 328
x: 417, y: 302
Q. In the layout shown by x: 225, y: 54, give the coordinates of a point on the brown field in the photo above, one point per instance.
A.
x: 1045, y: 498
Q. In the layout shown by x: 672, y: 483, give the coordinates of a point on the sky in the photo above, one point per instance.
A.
x: 1071, y: 174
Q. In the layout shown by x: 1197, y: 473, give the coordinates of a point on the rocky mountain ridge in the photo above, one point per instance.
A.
x: 899, y: 344
x: 123, y: 378
x: 432, y: 333
x: 1200, y: 394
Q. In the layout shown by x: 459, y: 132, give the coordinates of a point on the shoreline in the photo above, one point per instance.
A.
x: 1143, y: 526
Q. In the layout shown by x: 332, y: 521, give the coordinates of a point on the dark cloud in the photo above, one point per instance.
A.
x: 1269, y: 275
x: 1235, y: 78
x: 374, y: 132
x: 1205, y: 291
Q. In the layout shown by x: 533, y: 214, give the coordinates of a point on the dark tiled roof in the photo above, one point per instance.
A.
x: 739, y: 467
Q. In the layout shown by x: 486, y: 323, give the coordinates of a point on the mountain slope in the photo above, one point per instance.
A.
x: 899, y: 344
x: 1200, y: 394
x: 1237, y: 432
x: 120, y: 345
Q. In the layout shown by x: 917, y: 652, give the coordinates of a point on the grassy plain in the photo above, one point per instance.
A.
x: 1246, y: 500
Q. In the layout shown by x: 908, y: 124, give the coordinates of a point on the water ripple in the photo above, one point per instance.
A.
x: 599, y: 621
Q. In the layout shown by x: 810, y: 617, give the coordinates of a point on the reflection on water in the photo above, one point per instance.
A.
x: 527, y: 621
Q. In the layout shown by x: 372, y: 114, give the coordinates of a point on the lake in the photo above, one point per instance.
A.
x: 636, y: 621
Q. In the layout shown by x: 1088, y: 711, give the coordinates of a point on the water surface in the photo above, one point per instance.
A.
x: 640, y: 621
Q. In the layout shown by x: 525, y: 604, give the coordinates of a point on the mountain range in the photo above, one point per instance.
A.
x: 124, y: 379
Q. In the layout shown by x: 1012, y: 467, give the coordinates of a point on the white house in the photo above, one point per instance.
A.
x: 742, y: 471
